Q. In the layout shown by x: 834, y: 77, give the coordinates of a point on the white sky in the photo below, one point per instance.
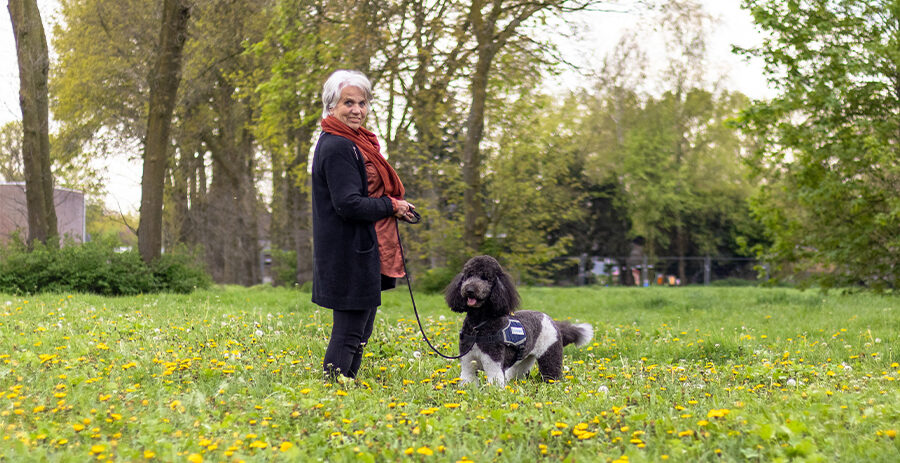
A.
x: 735, y: 28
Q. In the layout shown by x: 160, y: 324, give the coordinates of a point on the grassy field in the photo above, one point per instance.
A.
x: 687, y: 374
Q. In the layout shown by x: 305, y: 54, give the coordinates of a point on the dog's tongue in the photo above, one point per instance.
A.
x: 471, y: 301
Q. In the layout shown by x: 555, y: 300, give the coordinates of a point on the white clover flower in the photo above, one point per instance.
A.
x: 258, y: 333
x: 791, y: 382
x: 603, y: 390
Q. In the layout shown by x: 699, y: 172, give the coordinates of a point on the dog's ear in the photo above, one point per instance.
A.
x: 453, y: 296
x: 504, y: 296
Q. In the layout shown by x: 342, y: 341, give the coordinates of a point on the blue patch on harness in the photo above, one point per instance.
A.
x: 514, y: 333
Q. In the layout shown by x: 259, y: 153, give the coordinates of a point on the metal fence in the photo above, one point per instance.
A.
x: 658, y: 270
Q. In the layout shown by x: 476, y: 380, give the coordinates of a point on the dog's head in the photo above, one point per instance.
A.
x: 482, y: 285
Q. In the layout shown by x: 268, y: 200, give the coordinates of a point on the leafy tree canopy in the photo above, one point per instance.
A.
x: 829, y: 142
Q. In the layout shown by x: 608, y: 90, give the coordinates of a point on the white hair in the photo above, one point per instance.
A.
x: 331, y: 91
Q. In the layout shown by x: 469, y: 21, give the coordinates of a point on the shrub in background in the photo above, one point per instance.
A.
x: 435, y: 279
x: 179, y: 271
x: 284, y: 267
x: 94, y: 267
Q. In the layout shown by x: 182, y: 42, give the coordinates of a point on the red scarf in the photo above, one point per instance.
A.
x: 367, y: 142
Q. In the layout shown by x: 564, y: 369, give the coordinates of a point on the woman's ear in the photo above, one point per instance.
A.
x: 504, y: 296
x: 453, y: 296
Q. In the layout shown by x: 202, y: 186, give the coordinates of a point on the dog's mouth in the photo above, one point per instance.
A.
x: 472, y: 302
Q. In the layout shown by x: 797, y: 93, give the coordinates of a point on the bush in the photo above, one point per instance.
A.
x: 179, y: 272
x: 284, y: 267
x: 94, y: 267
x: 435, y: 280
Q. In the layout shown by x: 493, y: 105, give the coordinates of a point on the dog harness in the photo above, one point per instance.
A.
x: 513, y: 335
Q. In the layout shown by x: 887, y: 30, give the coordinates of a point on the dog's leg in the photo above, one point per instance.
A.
x: 550, y: 364
x: 469, y: 366
x: 494, y: 372
x: 520, y: 370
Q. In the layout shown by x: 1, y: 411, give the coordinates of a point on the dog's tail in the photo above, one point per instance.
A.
x: 580, y: 333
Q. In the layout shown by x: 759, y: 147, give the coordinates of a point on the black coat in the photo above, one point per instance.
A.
x: 346, y: 263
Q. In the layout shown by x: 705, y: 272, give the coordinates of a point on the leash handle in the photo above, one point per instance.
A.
x: 412, y: 298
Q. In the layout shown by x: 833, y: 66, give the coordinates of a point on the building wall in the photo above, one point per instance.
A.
x: 70, y: 212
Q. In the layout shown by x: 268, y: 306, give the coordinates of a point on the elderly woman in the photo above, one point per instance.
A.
x: 356, y: 200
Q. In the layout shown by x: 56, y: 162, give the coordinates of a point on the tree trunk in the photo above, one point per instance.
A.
x: 34, y: 65
x: 475, y: 220
x: 232, y: 234
x: 164, y: 80
x: 300, y: 212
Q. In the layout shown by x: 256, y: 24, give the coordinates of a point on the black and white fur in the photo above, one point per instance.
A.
x: 486, y: 293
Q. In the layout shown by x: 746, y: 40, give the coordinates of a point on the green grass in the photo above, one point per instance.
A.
x: 684, y: 374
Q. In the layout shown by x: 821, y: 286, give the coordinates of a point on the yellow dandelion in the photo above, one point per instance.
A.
x: 425, y: 451
x: 195, y: 458
x: 892, y: 433
x: 258, y: 444
x: 175, y: 404
x: 149, y: 454
x: 409, y: 451
x: 702, y: 423
x: 285, y: 446
x: 561, y: 425
x: 95, y: 449
x: 452, y: 405
x: 78, y: 427
x: 718, y: 413
x: 687, y: 433
x: 39, y: 409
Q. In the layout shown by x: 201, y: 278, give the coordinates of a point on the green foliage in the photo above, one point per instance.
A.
x: 12, y: 169
x: 679, y: 375
x: 106, y: 225
x: 828, y: 146
x: 284, y: 267
x: 94, y: 267
x: 179, y: 271
x: 529, y: 189
x: 435, y: 280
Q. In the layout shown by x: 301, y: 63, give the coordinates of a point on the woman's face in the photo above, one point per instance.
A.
x: 352, y: 107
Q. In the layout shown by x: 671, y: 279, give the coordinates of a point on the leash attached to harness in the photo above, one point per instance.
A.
x: 416, y: 219
x: 513, y: 335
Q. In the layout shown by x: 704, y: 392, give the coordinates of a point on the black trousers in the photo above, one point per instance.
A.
x: 349, y: 336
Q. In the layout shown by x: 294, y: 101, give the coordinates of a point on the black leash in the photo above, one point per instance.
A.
x: 416, y: 219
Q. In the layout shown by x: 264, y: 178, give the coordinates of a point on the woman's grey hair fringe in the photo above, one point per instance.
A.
x: 331, y: 91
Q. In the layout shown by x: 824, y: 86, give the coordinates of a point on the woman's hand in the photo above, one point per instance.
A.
x: 402, y: 208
